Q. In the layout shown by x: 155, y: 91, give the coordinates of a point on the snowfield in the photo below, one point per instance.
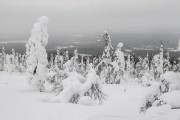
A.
x: 17, y: 102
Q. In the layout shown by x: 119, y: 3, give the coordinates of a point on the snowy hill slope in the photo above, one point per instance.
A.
x: 19, y: 103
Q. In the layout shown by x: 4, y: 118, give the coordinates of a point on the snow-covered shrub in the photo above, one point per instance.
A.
x: 75, y: 87
x: 150, y: 95
x: 171, y: 98
x: 71, y: 88
x: 55, y: 78
x: 171, y: 80
x: 92, y: 87
x: 36, y: 55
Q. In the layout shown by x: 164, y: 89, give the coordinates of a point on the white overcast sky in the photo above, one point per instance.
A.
x: 77, y: 16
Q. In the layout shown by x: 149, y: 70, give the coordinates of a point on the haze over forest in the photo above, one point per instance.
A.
x: 80, y: 24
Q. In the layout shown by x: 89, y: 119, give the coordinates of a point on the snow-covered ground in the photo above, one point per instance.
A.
x: 17, y: 102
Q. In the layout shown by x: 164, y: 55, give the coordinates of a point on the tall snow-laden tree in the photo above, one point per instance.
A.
x: 59, y: 59
x: 75, y: 60
x: 167, y: 64
x: 157, y: 63
x: 1, y: 60
x: 161, y: 59
x: 128, y: 65
x: 108, y: 49
x: 66, y: 56
x: 4, y: 57
x: 51, y: 61
x: 13, y: 56
x: 120, y: 58
x: 36, y: 55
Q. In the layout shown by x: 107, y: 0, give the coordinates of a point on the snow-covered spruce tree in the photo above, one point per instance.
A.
x: 3, y: 59
x: 119, y: 58
x: 128, y: 66
x: 157, y: 63
x: 82, y: 66
x: 59, y: 59
x: 21, y: 63
x: 167, y: 64
x: 146, y: 64
x: 51, y: 61
x: 108, y: 49
x: 17, y: 67
x: 161, y: 59
x: 36, y: 55
x: 66, y: 56
x: 75, y: 60
x: 138, y: 70
x: 13, y: 55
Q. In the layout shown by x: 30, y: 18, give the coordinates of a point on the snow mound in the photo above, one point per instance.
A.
x: 171, y: 98
x: 157, y: 113
x: 86, y: 100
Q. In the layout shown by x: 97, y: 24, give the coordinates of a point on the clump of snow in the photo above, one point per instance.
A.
x: 145, y: 81
x: 81, y: 78
x: 171, y: 98
x: 43, y: 20
x: 120, y: 45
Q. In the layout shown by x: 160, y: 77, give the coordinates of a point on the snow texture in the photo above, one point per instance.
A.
x: 19, y: 103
